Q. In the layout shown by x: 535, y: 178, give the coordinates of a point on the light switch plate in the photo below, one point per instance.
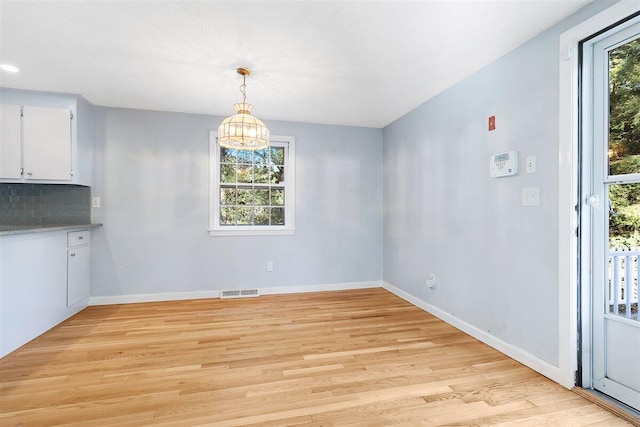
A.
x: 530, y: 164
x: 95, y: 202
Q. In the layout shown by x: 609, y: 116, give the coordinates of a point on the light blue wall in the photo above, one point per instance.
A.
x: 496, y: 262
x: 151, y: 170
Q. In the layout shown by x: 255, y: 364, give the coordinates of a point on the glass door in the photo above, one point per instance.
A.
x: 612, y: 192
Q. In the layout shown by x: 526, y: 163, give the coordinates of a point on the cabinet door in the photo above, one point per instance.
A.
x: 47, y: 143
x: 77, y: 275
x: 10, y: 155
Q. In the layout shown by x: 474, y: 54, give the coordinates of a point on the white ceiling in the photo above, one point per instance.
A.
x: 359, y: 63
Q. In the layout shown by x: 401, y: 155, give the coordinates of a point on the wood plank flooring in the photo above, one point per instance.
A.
x: 347, y: 358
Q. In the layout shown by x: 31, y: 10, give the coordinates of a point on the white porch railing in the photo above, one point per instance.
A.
x: 623, y: 282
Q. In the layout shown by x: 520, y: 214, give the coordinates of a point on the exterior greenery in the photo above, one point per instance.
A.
x: 624, y: 144
x: 252, y: 186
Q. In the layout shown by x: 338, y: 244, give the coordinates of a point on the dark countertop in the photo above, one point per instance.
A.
x: 9, y: 230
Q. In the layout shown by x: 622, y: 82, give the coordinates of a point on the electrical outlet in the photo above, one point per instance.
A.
x: 431, y: 281
x: 531, y: 196
x: 269, y: 266
x: 95, y: 202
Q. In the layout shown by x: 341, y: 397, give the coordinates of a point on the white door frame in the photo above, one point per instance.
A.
x: 568, y: 182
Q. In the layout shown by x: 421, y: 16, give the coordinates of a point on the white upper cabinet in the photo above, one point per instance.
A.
x: 46, y: 140
x: 10, y: 139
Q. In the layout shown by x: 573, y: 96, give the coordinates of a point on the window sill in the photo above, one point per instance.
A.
x: 245, y: 232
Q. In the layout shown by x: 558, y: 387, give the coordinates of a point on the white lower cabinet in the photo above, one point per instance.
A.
x: 77, y: 267
x: 43, y: 281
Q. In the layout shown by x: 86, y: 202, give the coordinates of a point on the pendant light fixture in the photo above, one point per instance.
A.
x: 242, y: 131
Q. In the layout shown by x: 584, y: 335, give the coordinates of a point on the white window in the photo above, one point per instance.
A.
x: 252, y: 191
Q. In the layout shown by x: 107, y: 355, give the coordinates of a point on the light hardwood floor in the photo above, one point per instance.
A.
x: 347, y: 358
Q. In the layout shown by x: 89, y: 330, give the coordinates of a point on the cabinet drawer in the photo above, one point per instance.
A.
x: 77, y: 238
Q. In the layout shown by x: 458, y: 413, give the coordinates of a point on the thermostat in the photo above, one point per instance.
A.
x: 503, y: 164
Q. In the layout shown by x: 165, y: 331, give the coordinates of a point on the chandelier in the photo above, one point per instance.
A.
x: 242, y: 131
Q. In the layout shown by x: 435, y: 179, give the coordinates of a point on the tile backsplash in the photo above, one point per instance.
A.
x: 44, y: 204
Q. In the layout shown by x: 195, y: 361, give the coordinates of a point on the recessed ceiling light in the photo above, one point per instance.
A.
x: 9, y: 68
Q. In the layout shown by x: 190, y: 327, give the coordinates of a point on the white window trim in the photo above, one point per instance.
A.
x: 568, y: 183
x: 215, y: 229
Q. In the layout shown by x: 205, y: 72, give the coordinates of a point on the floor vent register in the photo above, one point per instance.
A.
x: 241, y: 293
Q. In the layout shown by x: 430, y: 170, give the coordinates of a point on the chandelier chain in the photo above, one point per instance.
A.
x: 243, y: 87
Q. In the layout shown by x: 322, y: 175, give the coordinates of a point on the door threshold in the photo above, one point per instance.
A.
x: 623, y: 411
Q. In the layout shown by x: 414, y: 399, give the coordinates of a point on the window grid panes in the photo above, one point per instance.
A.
x: 252, y: 187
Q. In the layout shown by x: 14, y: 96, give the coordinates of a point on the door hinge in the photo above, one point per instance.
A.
x: 71, y: 113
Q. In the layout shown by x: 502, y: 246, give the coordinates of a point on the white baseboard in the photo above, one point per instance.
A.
x: 545, y: 368
x: 175, y: 296
x: 155, y: 297
x: 320, y: 288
